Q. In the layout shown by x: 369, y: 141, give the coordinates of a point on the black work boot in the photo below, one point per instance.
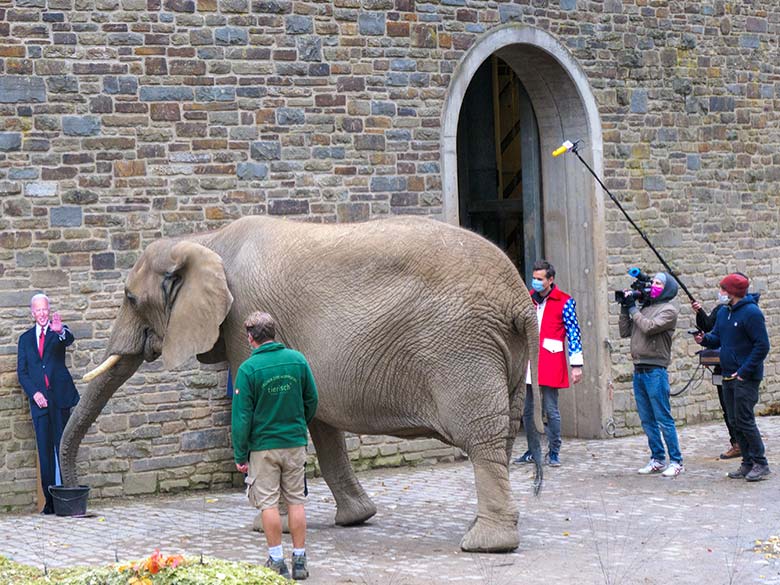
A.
x: 758, y: 472
x: 740, y: 473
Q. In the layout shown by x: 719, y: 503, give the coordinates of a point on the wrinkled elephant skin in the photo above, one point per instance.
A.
x: 413, y: 328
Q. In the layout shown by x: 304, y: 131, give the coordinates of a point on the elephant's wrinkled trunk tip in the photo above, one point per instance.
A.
x: 107, y: 364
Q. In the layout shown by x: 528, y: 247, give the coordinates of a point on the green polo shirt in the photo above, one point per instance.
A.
x: 274, y: 398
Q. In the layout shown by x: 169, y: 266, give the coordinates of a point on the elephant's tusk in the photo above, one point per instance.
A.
x: 107, y: 364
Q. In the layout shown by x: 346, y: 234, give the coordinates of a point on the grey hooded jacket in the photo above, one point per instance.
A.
x: 651, y: 327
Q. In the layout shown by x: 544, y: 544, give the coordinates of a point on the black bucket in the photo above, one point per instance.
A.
x: 69, y: 501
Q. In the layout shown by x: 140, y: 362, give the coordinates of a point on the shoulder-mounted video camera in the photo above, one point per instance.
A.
x: 640, y: 288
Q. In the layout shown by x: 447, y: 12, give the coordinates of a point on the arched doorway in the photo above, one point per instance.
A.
x: 570, y: 230
x: 499, y: 171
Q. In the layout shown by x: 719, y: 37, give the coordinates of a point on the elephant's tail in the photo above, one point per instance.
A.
x: 528, y: 325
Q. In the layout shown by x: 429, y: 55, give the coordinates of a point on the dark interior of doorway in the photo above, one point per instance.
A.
x: 499, y: 171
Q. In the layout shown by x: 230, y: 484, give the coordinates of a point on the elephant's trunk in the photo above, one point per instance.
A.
x: 86, y: 412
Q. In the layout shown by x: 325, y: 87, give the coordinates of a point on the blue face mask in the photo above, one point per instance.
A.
x: 537, y: 285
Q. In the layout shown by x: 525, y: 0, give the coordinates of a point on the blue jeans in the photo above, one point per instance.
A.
x: 651, y: 391
x: 550, y: 406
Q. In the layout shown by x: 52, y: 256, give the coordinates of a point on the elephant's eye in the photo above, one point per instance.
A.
x: 131, y: 298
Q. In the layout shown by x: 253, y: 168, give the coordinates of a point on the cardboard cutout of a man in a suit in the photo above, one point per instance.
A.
x: 47, y: 382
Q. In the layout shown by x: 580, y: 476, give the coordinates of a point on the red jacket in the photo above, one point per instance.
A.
x: 553, y: 368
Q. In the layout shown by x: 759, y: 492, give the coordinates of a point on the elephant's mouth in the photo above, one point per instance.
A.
x: 152, y: 345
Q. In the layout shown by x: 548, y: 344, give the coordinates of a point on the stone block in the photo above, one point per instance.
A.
x: 298, y: 25
x: 328, y: 152
x: 424, y: 36
x: 165, y: 111
x: 103, y: 261
x: 288, y: 207
x: 15, y: 240
x: 353, y: 212
x: 187, y: 67
x: 654, y: 183
x: 179, y: 5
x: 10, y: 141
x: 749, y: 41
x: 352, y: 125
x: 66, y: 216
x: 166, y: 94
x: 123, y: 85
x: 234, y: 6
x: 344, y: 84
x: 231, y: 35
x: 290, y: 116
x: 129, y: 168
x: 80, y: 197
x: 249, y: 171
x: 722, y: 104
x: 22, y: 89
x: 204, y: 439
x: 272, y: 6
x: 140, y: 483
x: 383, y: 109
x: 58, y: 173
x: 371, y: 23
x: 215, y: 94
x: 28, y: 174
x: 388, y: 183
x: 40, y: 189
x: 199, y: 37
x: 639, y: 101
x: 125, y: 241
x: 101, y: 104
x: 80, y: 125
x: 369, y: 142
x: 309, y: 48
x: 266, y: 150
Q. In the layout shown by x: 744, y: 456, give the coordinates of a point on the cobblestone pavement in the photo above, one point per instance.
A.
x: 596, y: 522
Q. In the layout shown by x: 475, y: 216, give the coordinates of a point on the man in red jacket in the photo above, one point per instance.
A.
x: 557, y: 315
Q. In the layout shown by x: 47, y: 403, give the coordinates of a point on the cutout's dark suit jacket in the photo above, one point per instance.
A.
x: 61, y: 395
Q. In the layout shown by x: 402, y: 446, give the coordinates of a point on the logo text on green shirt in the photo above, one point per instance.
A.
x: 279, y: 384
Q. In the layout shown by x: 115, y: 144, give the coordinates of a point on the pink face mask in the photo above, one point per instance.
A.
x: 655, y: 291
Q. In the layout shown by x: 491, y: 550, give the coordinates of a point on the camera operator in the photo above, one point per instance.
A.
x: 740, y: 333
x: 650, y: 328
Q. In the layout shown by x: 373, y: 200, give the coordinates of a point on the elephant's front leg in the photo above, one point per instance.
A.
x: 495, y: 528
x: 353, y: 505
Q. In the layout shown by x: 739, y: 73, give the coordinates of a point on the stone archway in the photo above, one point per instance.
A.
x: 573, y: 203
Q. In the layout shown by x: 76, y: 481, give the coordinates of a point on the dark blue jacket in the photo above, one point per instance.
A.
x: 30, y: 369
x: 740, y: 333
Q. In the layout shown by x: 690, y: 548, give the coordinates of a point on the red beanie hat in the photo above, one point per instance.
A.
x: 735, y: 284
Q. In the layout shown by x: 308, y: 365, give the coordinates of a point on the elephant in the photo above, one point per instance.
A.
x: 413, y: 328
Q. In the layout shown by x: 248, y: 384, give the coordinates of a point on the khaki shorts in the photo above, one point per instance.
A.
x: 275, y: 472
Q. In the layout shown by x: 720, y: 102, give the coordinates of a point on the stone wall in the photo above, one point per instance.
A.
x: 123, y: 121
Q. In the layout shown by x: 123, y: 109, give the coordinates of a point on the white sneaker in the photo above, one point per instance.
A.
x: 673, y: 470
x: 653, y: 466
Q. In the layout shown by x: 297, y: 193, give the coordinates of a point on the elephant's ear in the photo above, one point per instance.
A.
x: 199, y: 299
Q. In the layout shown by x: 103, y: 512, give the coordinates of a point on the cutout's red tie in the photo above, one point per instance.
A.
x: 41, y: 340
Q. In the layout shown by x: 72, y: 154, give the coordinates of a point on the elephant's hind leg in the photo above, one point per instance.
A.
x: 353, y: 505
x: 495, y: 528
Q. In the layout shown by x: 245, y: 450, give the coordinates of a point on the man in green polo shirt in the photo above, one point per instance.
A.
x: 275, y: 398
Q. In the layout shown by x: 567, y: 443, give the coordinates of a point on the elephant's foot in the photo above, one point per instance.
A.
x: 491, y: 536
x: 257, y: 523
x: 354, y: 511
